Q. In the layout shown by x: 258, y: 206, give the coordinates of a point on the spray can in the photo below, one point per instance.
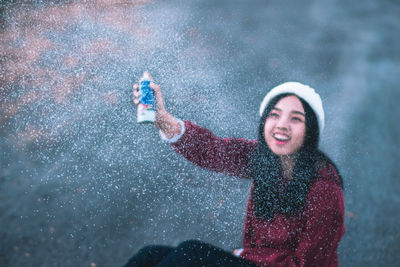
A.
x: 146, y: 108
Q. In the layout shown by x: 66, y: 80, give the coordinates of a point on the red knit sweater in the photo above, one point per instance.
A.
x: 310, y: 238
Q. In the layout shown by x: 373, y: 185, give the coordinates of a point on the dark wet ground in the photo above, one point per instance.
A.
x: 81, y: 184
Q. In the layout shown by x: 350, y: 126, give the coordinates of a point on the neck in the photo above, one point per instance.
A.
x: 287, y: 163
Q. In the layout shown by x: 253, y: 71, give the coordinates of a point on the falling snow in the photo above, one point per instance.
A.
x: 82, y: 184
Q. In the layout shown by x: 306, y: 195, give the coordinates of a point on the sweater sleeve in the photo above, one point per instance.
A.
x: 224, y: 155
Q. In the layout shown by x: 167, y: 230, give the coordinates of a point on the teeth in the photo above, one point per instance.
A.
x: 281, y: 137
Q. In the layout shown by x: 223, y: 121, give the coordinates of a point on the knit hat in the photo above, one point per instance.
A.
x: 303, y: 91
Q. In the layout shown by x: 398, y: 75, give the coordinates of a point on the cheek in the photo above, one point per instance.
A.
x: 300, y: 134
x: 269, y: 124
x: 267, y: 129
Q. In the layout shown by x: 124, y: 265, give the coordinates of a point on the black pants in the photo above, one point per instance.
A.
x: 189, y: 253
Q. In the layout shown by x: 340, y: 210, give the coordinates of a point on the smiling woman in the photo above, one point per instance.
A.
x: 295, y: 211
x: 285, y: 127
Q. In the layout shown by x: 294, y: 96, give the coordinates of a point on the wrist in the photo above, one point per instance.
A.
x: 163, y: 118
x: 173, y: 136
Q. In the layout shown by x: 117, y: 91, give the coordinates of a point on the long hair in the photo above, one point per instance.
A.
x: 270, y: 197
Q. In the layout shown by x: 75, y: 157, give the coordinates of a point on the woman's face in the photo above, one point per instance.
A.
x: 285, y: 126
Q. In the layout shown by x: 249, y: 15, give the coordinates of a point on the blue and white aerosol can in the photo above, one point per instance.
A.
x: 146, y: 107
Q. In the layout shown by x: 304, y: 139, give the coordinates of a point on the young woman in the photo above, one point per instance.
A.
x: 295, y: 210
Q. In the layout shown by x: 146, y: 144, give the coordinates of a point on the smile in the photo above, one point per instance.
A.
x: 281, y: 137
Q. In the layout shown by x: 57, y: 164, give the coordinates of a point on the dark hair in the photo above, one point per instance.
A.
x: 269, y: 196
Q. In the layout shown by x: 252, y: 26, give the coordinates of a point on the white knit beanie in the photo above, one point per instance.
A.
x: 303, y: 91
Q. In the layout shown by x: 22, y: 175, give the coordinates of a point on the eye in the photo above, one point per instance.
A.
x: 297, y: 119
x: 273, y: 115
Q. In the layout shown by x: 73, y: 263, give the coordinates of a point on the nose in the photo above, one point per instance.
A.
x: 282, y: 123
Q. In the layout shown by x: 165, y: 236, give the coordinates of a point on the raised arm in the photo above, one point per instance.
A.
x: 197, y: 144
x: 225, y: 155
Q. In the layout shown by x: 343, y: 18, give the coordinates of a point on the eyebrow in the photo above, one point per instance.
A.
x: 294, y: 111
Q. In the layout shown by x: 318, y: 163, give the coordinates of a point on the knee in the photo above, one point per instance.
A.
x: 149, y: 256
x: 190, y: 244
x: 193, y: 242
x: 140, y: 258
x: 147, y: 250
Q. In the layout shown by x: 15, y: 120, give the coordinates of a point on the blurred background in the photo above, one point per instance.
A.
x: 82, y: 184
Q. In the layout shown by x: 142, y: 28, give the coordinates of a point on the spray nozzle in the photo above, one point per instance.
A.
x: 146, y: 76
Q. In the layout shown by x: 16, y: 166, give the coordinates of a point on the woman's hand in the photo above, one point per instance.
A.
x: 164, y: 121
x: 159, y: 100
x: 237, y: 252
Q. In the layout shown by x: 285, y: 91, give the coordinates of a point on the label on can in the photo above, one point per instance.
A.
x: 147, y: 95
x: 146, y: 108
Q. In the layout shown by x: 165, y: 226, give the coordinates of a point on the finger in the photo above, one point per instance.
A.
x: 136, y: 101
x: 135, y: 90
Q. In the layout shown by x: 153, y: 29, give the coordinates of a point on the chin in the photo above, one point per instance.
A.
x: 280, y: 152
x: 283, y: 152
